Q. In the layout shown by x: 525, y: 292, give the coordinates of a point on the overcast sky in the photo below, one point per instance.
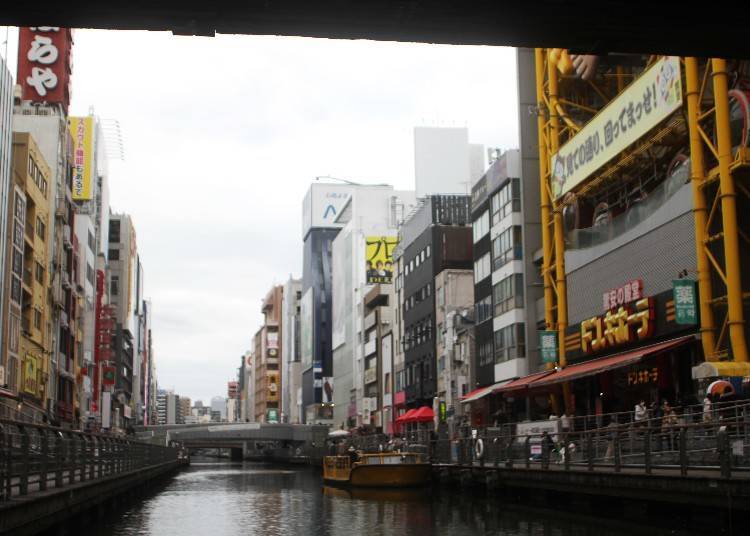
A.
x: 222, y: 138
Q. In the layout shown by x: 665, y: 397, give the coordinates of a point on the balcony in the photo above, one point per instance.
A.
x: 28, y: 278
x: 66, y: 281
x: 371, y: 347
x: 64, y: 319
x: 66, y: 238
x: 25, y: 325
x: 369, y: 320
x: 371, y: 375
x: 29, y: 234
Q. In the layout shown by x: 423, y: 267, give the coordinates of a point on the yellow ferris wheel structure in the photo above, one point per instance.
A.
x: 700, y: 130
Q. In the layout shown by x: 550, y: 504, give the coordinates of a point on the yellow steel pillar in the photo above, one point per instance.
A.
x: 700, y: 212
x: 729, y: 213
x: 544, y: 191
x: 559, y: 243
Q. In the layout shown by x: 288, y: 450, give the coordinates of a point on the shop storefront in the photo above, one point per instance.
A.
x: 634, y: 351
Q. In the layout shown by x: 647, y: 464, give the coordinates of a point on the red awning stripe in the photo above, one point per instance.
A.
x: 596, y: 366
x: 524, y: 382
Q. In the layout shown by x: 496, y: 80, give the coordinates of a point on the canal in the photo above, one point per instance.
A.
x: 221, y: 498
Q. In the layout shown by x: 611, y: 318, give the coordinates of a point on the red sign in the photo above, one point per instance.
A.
x: 44, y: 64
x: 630, y: 291
x: 108, y: 375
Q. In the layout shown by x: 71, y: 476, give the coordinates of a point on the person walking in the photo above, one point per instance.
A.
x: 668, y: 424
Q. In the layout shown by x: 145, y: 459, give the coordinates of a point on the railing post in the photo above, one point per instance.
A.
x: 527, y: 450
x: 616, y: 446
x: 23, y: 483
x: 4, y: 454
x: 647, y: 449
x: 722, y: 445
x: 590, y: 450
x: 59, y: 458
x: 683, y: 451
x: 92, y: 457
x: 566, y: 450
x: 45, y: 460
x: 84, y: 457
x: 72, y: 456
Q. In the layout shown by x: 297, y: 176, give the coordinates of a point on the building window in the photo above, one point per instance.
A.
x: 41, y: 228
x: 507, y: 247
x: 91, y: 242
x: 387, y: 386
x: 114, y: 286
x: 481, y: 226
x: 484, y: 309
x: 422, y: 255
x: 37, y: 319
x: 39, y: 273
x: 90, y: 276
x: 485, y: 353
x: 510, y: 343
x: 114, y: 231
x: 508, y: 294
x: 428, y: 251
x: 482, y: 268
x: 506, y: 201
x: 114, y: 254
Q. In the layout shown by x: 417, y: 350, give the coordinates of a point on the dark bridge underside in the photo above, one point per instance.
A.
x: 714, y: 28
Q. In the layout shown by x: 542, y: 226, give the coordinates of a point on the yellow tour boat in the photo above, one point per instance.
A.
x: 384, y: 470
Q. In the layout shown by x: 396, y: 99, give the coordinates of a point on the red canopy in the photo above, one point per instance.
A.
x: 423, y: 414
x: 406, y: 417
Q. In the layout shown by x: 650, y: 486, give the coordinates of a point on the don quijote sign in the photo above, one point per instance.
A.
x: 44, y: 64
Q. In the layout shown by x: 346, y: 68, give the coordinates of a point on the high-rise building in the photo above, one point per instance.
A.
x: 185, y: 409
x: 268, y: 346
x: 7, y: 223
x: 126, y: 297
x: 219, y: 407
x: 32, y: 177
x: 291, y: 371
x: 362, y: 257
x: 437, y: 237
x: 444, y: 160
x: 247, y: 387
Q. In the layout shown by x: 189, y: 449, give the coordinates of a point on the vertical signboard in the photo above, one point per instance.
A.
x: 306, y: 329
x: 685, y: 301
x: 379, y: 259
x: 44, y: 64
x: 31, y: 374
x: 82, y: 131
x: 548, y: 346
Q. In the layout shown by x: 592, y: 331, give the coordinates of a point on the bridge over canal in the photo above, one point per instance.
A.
x: 278, y: 442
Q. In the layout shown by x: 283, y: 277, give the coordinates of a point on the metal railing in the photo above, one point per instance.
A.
x: 719, y: 446
x: 37, y: 457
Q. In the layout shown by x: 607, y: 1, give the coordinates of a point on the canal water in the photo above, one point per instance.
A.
x: 222, y: 498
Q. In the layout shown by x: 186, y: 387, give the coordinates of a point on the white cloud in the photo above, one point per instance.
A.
x: 222, y: 139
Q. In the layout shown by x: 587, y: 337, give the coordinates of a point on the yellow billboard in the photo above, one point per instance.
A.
x: 31, y: 374
x: 647, y: 101
x: 82, y: 131
x: 379, y: 258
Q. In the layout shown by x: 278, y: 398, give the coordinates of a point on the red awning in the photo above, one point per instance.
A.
x: 406, y: 416
x: 596, y: 366
x: 423, y: 414
x: 523, y: 383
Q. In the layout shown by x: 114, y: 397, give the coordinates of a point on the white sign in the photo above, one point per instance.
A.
x: 306, y: 329
x: 106, y: 409
x: 640, y: 107
x: 323, y: 205
x: 630, y: 291
x: 536, y: 427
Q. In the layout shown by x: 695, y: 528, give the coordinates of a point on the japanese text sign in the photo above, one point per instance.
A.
x: 630, y: 291
x: 640, y: 107
x: 685, y: 301
x: 379, y: 258
x: 548, y: 346
x: 643, y: 376
x: 617, y: 326
x: 82, y: 131
x: 44, y: 64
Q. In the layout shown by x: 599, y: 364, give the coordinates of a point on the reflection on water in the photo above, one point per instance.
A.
x: 217, y: 499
